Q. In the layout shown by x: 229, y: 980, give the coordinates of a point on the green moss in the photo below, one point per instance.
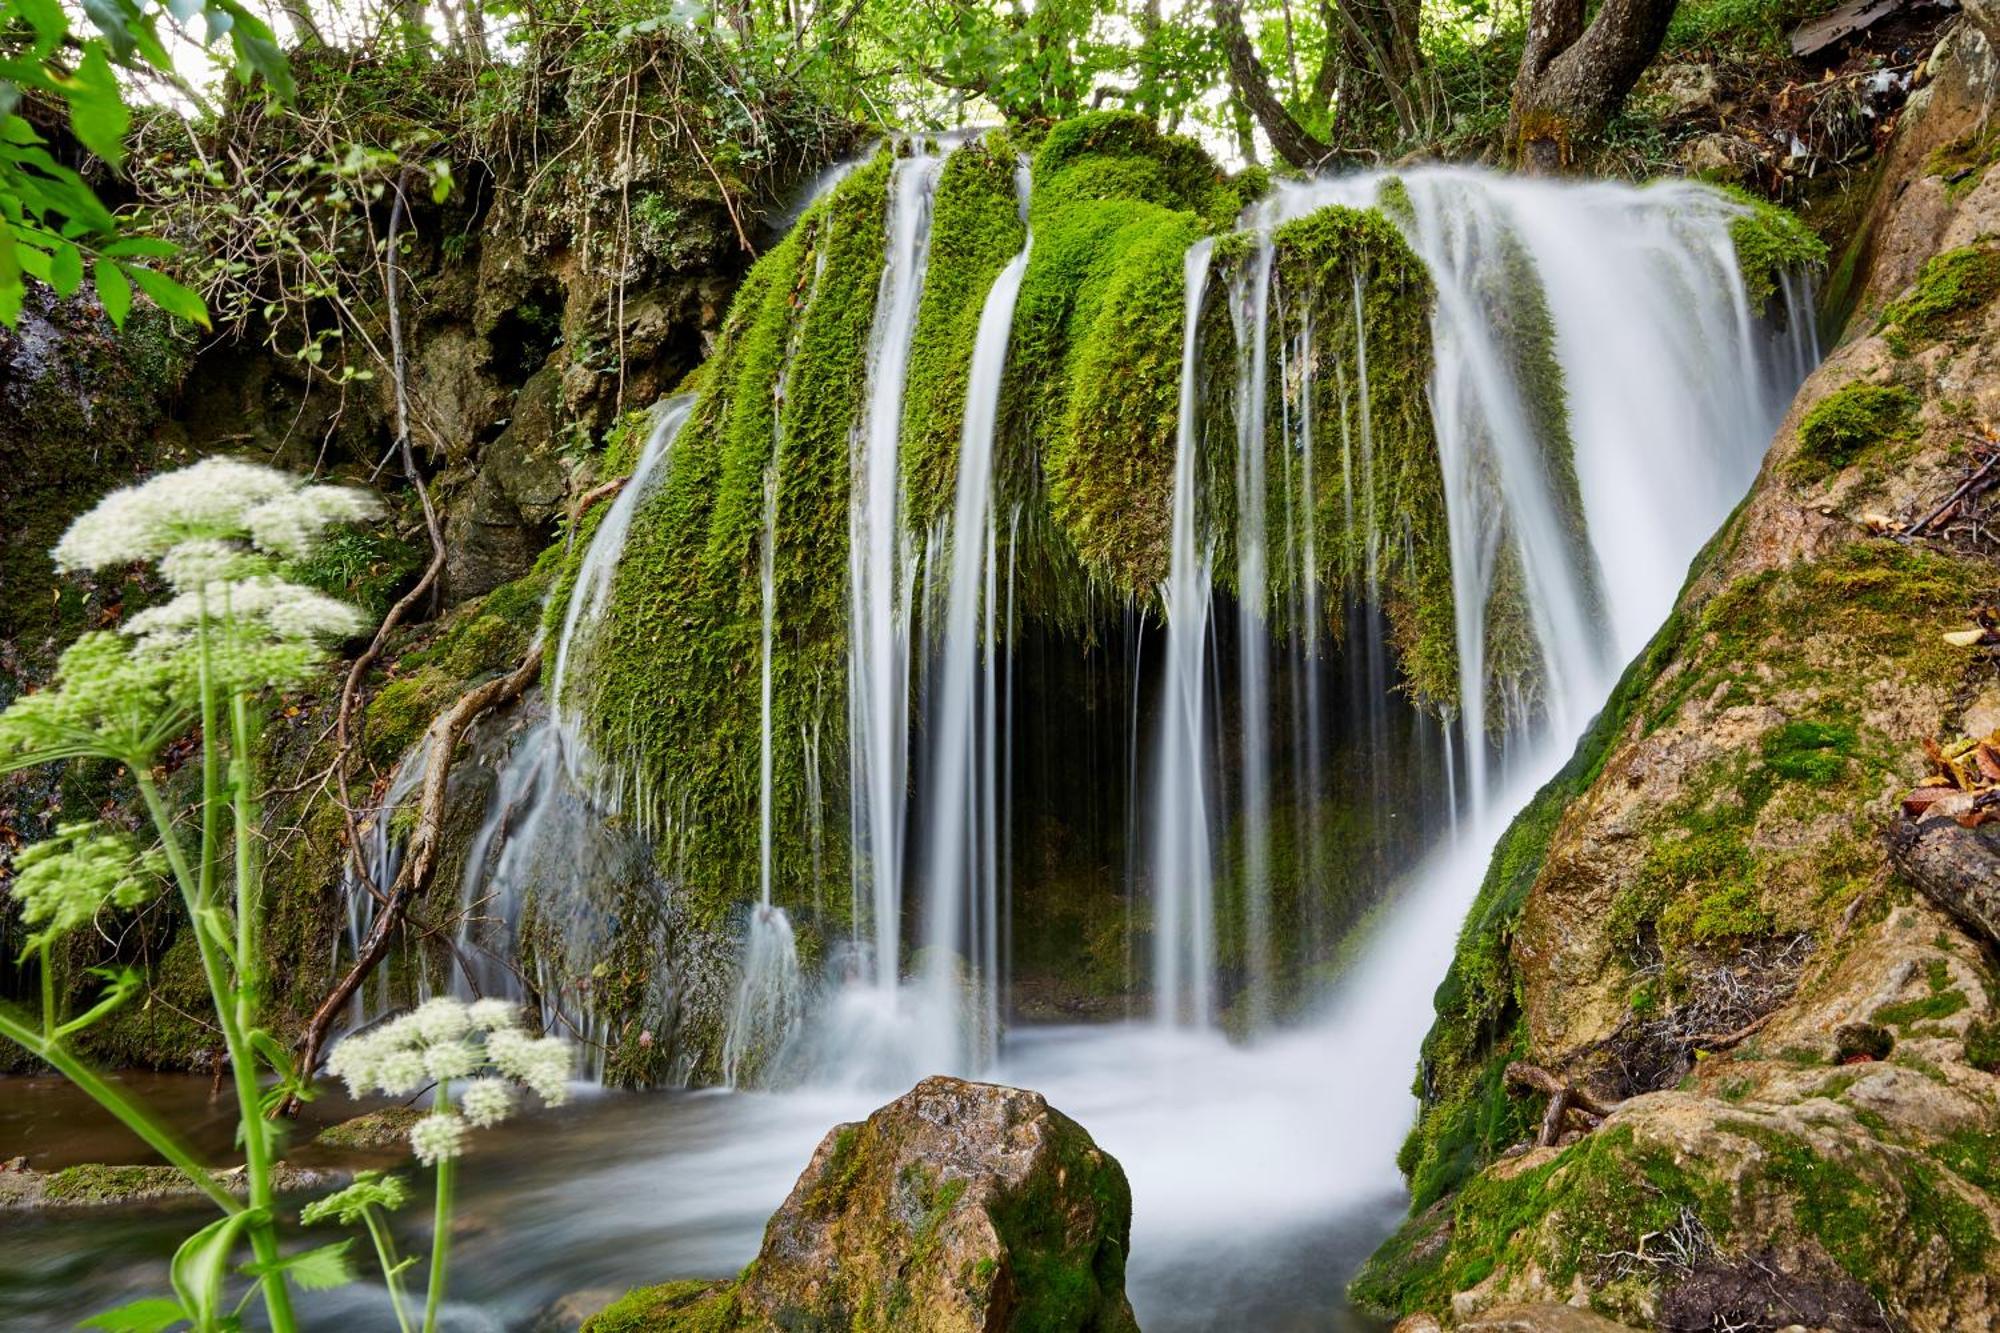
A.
x: 671, y: 1307
x: 1771, y: 243
x: 1949, y: 287
x: 672, y: 696
x: 1398, y: 510
x: 1982, y: 1045
x: 1943, y: 1001
x: 976, y: 227
x: 1846, y: 424
x: 97, y: 1184
x: 1856, y: 1219
x: 1095, y: 378
x: 1593, y: 1199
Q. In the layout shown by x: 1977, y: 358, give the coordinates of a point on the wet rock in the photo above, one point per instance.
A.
x: 506, y: 515
x: 958, y: 1206
x: 94, y: 1184
x: 386, y: 1130
x: 1540, y: 1319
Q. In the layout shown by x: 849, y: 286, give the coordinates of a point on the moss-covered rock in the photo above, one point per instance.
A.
x: 958, y: 1206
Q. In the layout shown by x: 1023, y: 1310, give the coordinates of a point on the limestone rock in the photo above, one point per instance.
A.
x: 957, y: 1207
x: 506, y: 516
x: 1540, y: 1319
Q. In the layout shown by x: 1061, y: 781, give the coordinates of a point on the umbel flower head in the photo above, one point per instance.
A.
x: 445, y: 1041
x: 215, y: 500
x: 219, y: 531
x: 63, y: 881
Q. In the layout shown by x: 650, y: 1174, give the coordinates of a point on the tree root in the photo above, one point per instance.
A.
x: 420, y: 860
x: 1565, y: 1099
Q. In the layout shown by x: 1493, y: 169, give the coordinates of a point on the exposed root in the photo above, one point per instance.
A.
x: 420, y: 860
x: 1566, y: 1100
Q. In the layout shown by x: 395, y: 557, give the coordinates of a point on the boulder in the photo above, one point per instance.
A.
x: 958, y: 1206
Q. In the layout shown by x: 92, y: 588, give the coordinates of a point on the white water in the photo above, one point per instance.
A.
x: 880, y: 573
x: 1182, y: 868
x: 545, y: 811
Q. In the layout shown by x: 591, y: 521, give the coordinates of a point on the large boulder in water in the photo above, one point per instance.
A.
x: 958, y: 1206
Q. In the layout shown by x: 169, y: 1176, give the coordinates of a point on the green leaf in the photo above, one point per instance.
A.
x: 65, y: 268
x: 311, y: 1270
x: 96, y: 110
x: 113, y: 290
x: 201, y: 1266
x: 169, y: 295
x: 154, y: 1314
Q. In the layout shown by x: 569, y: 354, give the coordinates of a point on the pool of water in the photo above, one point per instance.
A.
x: 1255, y: 1193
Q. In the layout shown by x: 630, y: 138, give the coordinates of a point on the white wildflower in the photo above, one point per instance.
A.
x: 440, y: 1019
x: 204, y: 560
x: 451, y: 1059
x: 437, y: 1138
x: 493, y: 1015
x: 144, y: 522
x: 487, y: 1101
x: 543, y: 1063
x: 401, y: 1072
x: 288, y: 525
x: 287, y: 611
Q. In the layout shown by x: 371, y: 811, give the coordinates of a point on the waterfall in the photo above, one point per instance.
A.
x: 1252, y: 315
x: 961, y: 885
x: 1181, y: 866
x: 880, y: 574
x: 539, y: 825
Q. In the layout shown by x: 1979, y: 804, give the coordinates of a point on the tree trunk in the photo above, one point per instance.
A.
x: 1289, y: 139
x: 1573, y: 77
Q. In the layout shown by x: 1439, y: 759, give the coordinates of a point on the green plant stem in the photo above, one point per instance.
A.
x: 440, y: 1241
x: 440, y: 1219
x: 242, y: 1060
x: 48, y: 993
x: 130, y: 1114
x: 385, y: 1254
x: 256, y: 1130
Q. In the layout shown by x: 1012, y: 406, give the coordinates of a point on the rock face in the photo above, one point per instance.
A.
x: 1698, y: 922
x: 957, y: 1207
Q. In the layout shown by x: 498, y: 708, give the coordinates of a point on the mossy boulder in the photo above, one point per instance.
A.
x: 958, y: 1206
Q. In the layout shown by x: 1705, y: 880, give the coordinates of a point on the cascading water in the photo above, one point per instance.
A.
x: 1576, y: 504
x: 962, y: 880
x: 880, y: 575
x: 1181, y: 865
x: 543, y: 828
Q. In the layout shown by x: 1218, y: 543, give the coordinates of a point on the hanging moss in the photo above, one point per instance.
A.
x: 673, y: 692
x: 1095, y: 388
x: 1770, y: 243
x: 1319, y: 259
x: 976, y: 228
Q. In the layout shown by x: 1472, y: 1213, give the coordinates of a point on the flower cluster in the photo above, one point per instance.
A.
x: 63, y: 881
x: 445, y: 1041
x: 215, y: 500
x: 220, y: 532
